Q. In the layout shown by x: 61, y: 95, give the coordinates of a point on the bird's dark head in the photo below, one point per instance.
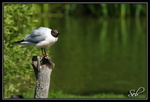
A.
x: 55, y: 33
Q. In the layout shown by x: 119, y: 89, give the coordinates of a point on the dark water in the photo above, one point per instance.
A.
x: 98, y: 55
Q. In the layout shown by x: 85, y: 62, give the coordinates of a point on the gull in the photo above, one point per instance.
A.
x: 42, y: 37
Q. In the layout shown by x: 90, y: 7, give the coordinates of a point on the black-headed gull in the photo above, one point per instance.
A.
x: 42, y: 38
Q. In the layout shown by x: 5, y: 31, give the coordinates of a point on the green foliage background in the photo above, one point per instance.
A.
x: 18, y: 16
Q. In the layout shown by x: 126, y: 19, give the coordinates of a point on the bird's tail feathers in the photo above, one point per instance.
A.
x: 18, y: 42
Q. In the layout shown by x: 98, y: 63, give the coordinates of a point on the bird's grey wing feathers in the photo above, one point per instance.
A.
x: 35, y: 37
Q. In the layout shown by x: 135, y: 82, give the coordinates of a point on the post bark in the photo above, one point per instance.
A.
x: 42, y: 68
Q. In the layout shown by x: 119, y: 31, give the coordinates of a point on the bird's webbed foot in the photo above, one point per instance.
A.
x: 45, y: 55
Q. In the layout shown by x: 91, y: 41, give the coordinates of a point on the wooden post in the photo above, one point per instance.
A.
x: 42, y: 68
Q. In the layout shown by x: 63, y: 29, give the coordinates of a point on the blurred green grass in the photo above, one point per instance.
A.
x: 62, y: 95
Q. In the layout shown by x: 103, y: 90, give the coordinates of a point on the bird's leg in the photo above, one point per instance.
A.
x: 44, y: 52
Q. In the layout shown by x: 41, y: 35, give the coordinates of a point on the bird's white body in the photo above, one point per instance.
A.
x: 41, y: 38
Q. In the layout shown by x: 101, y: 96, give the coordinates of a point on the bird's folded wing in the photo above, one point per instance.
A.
x: 37, y: 35
x: 34, y: 39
